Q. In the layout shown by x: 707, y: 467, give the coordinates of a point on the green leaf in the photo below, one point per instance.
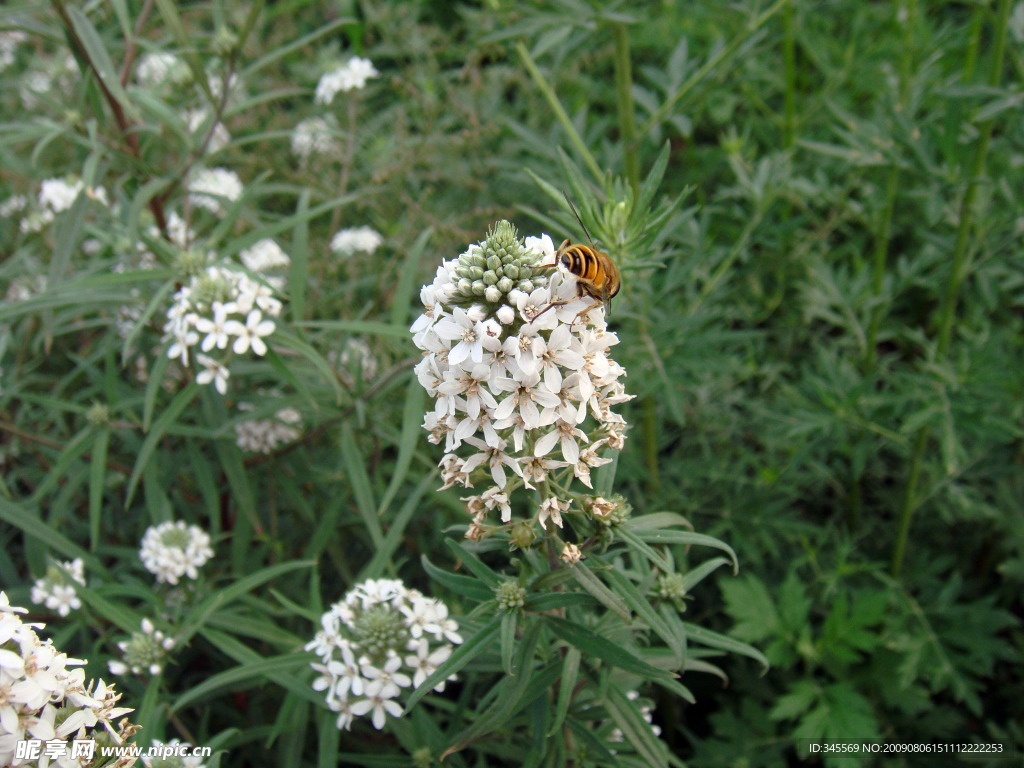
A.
x: 645, y: 549
x: 98, y: 57
x: 604, y: 476
x: 286, y: 373
x: 299, y: 274
x: 464, y: 654
x: 474, y: 564
x: 596, y: 751
x: 553, y: 600
x: 407, y: 281
x: 655, y: 520
x: 465, y: 586
x: 72, y: 452
x: 31, y: 525
x: 289, y: 341
x: 715, y: 640
x: 748, y: 602
x: 685, y: 537
x: 592, y: 644
x: 382, y: 557
x: 693, y: 577
x: 295, y: 45
x: 653, y: 180
x: 586, y: 579
x: 570, y: 671
x: 114, y: 612
x: 634, y: 728
x: 197, y: 617
x: 508, y: 639
x: 177, y: 27
x: 646, y: 611
x: 355, y: 468
x: 412, y: 416
x: 97, y: 483
x: 151, y: 710
x: 168, y: 417
x: 280, y: 667
x: 143, y: 321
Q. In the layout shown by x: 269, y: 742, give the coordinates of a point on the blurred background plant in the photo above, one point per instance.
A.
x: 820, y: 320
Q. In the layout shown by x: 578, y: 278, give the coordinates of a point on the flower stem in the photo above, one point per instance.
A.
x: 549, y: 94
x: 627, y: 115
x: 789, y: 56
x: 878, y: 274
x: 957, y: 272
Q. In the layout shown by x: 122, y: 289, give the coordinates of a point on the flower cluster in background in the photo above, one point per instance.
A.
x: 171, y: 551
x: 56, y: 590
x: 173, y: 761
x: 210, y: 187
x: 220, y: 309
x: 348, y: 77
x: 146, y: 651
x: 367, y: 639
x: 264, y: 435
x: 515, y: 361
x: 349, y: 241
x: 43, y: 694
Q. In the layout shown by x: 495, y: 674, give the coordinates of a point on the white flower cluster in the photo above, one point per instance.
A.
x: 367, y: 638
x: 263, y: 256
x: 219, y: 138
x: 8, y: 43
x: 158, y: 68
x: 315, y: 136
x: 646, y: 710
x: 55, y: 196
x: 220, y: 304
x: 39, y: 82
x: 41, y: 698
x: 146, y: 651
x: 209, y: 187
x: 264, y: 435
x: 351, y: 76
x: 348, y: 241
x: 515, y: 364
x: 56, y: 590
x: 172, y: 550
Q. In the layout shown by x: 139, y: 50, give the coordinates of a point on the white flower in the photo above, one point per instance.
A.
x: 251, y: 334
x: 571, y: 554
x: 386, y: 681
x: 8, y: 43
x: 264, y: 435
x: 216, y: 329
x: 543, y: 246
x: 215, y: 372
x: 378, y: 704
x: 157, y: 68
x: 345, y: 78
x: 172, y: 550
x: 348, y: 241
x: 58, y: 195
x: 315, y: 135
x: 552, y: 508
x: 208, y: 186
x: 426, y: 663
x: 264, y: 255
x: 13, y: 204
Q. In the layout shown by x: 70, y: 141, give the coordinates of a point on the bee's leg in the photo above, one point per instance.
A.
x: 549, y: 306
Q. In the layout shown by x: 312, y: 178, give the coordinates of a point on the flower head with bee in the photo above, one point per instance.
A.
x: 524, y: 385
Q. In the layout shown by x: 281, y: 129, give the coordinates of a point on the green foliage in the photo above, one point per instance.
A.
x: 815, y: 208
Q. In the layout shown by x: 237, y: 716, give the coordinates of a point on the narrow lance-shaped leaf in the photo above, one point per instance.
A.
x: 464, y: 654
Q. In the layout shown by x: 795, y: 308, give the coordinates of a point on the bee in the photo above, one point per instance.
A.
x: 596, y: 273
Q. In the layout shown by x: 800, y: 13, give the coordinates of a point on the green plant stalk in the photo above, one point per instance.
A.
x: 957, y: 272
x: 560, y: 113
x: 789, y: 56
x: 627, y: 114
x: 878, y: 273
x: 631, y: 168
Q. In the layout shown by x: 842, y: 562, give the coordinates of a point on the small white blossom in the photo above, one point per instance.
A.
x: 264, y: 255
x: 348, y: 241
x: 350, y: 76
x: 315, y: 136
x: 156, y: 69
x: 173, y: 550
x: 208, y: 187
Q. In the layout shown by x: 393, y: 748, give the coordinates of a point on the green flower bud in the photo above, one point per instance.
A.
x: 477, y: 260
x: 479, y: 287
x: 670, y: 586
x: 422, y: 758
x: 523, y: 535
x: 492, y: 294
x: 475, y: 273
x: 97, y: 414
x: 490, y: 278
x: 512, y: 271
x: 493, y: 262
x: 465, y: 285
x: 526, y: 286
x: 619, y: 217
x: 505, y: 285
x: 511, y: 596
x: 224, y: 41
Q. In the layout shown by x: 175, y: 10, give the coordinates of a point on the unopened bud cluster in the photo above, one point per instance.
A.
x: 511, y: 595
x: 496, y: 267
x: 146, y: 651
x: 366, y: 640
